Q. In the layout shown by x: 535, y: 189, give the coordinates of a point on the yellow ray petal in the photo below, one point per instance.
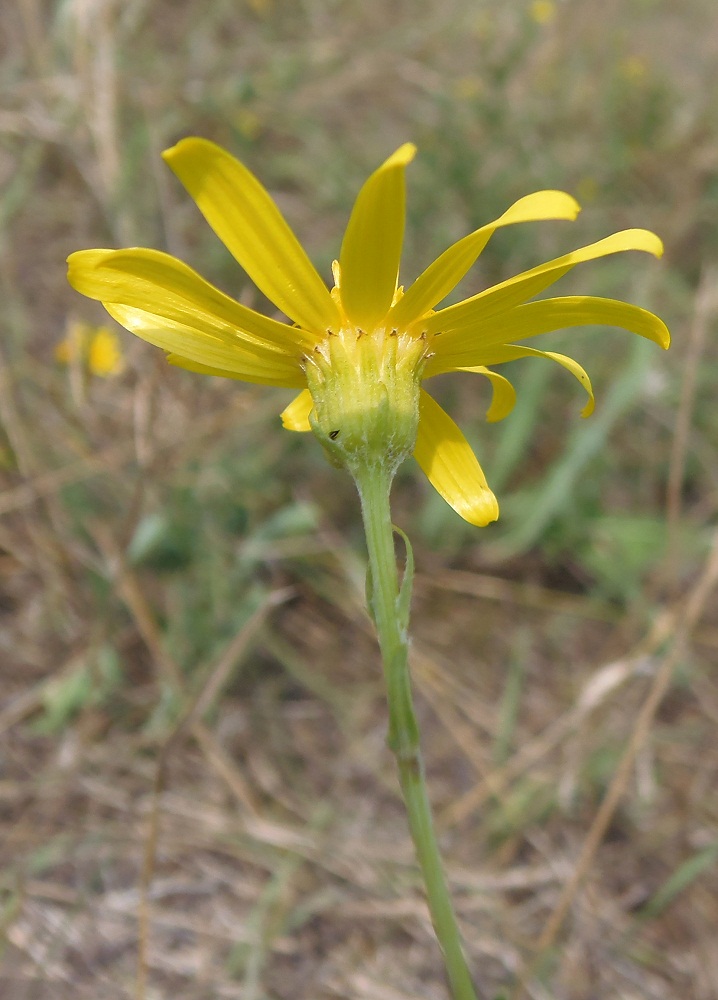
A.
x: 500, y: 354
x: 450, y: 465
x: 247, y: 375
x: 500, y: 298
x: 435, y: 283
x: 371, y: 248
x: 164, y: 302
x: 156, y: 282
x: 503, y: 394
x: 534, y: 318
x: 203, y: 351
x: 250, y: 225
x: 295, y: 417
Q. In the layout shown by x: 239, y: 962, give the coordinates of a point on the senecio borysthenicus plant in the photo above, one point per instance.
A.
x: 359, y: 354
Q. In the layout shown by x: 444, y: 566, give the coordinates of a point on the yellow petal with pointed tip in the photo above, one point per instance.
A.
x: 371, y: 248
x: 535, y: 318
x: 247, y: 221
x: 450, y: 465
x: 435, y: 283
x: 504, y: 296
x: 295, y: 417
x: 503, y: 395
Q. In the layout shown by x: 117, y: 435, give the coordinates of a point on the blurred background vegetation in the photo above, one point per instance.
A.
x: 195, y: 796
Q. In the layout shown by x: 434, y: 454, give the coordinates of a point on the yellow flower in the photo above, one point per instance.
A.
x: 97, y: 347
x: 542, y: 11
x: 349, y: 349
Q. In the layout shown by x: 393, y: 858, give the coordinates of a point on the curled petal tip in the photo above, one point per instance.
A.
x: 644, y: 239
x: 482, y: 511
x: 564, y: 205
x: 403, y: 156
x: 549, y: 204
x: 169, y: 153
x: 185, y: 145
x: 573, y: 206
x: 662, y: 335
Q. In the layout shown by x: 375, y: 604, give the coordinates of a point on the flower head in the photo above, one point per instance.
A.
x: 358, y: 353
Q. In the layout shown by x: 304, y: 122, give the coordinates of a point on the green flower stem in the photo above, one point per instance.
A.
x: 390, y: 612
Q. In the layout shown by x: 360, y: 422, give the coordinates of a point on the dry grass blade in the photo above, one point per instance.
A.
x: 685, y: 620
x: 190, y: 720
